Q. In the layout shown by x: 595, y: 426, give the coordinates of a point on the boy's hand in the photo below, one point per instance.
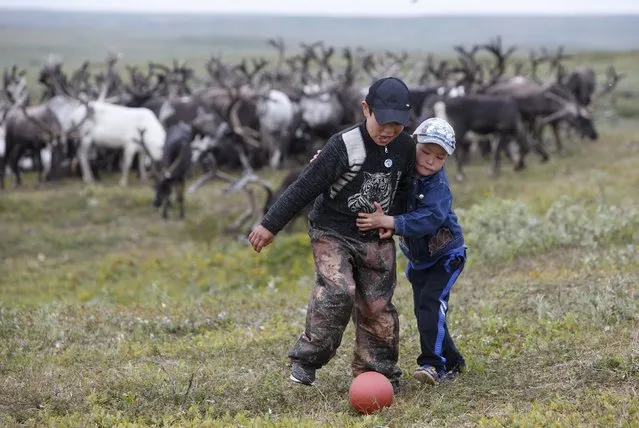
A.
x: 260, y: 237
x: 375, y: 220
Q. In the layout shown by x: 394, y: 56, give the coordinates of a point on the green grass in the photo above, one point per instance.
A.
x: 109, y: 315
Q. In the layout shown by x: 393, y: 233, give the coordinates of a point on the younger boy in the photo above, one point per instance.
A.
x: 433, y: 241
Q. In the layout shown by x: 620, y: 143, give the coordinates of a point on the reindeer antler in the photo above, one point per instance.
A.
x: 441, y: 72
x: 612, y: 80
x: 278, y: 44
x: 253, y: 211
x: 496, y: 48
x: 557, y: 58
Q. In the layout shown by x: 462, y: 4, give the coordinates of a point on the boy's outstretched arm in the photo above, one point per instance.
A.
x: 315, y: 179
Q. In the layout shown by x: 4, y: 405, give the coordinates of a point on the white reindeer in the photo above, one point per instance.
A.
x: 276, y: 112
x: 320, y: 107
x: 110, y: 126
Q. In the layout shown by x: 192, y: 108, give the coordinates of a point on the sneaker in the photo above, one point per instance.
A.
x: 427, y: 374
x: 302, y: 374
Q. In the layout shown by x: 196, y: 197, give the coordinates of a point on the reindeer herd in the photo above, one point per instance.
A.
x: 170, y: 120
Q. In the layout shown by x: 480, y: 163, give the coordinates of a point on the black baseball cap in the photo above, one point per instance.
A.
x: 390, y: 100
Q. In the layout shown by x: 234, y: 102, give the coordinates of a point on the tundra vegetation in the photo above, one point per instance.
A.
x: 110, y: 315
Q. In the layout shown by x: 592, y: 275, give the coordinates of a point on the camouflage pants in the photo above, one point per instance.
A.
x: 357, y: 279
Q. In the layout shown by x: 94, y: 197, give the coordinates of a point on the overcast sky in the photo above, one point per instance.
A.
x: 342, y: 7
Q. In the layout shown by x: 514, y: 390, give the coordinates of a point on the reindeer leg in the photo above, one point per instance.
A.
x: 485, y: 148
x: 14, y: 158
x: 53, y: 171
x: 538, y: 145
x: 246, y: 165
x: 284, y: 148
x: 165, y: 208
x: 270, y: 141
x: 83, y: 156
x: 3, y: 167
x: 500, y: 143
x: 36, y: 156
x: 541, y: 151
x: 525, y: 140
x: 129, y: 152
x: 508, y: 152
x: 523, y: 146
x: 459, y: 175
x: 271, y: 151
x: 276, y: 158
x: 141, y: 167
x: 179, y: 189
x: 464, y: 151
x: 555, y: 131
x: 166, y: 204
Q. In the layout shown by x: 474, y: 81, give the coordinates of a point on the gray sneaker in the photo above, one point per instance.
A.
x: 427, y: 374
x: 302, y: 374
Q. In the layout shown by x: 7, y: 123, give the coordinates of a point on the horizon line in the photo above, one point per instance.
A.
x: 322, y: 15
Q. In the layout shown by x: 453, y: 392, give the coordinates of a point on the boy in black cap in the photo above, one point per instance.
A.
x: 355, y: 271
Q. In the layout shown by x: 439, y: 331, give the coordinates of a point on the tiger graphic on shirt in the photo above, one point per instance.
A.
x: 375, y: 188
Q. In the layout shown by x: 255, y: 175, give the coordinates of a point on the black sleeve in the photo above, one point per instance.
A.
x: 404, y: 186
x: 315, y: 179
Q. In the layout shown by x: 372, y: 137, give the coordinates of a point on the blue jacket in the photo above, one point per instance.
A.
x: 429, y: 229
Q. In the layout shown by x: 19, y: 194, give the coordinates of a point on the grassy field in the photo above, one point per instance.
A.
x: 111, y: 316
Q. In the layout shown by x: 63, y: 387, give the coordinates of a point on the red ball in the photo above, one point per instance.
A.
x: 370, y: 391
